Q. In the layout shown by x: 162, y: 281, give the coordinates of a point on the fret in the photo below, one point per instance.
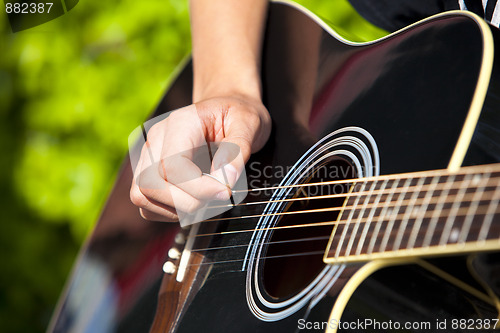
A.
x: 446, y: 234
x: 380, y: 219
x: 361, y: 213
x: 481, y: 183
x: 423, y: 209
x: 349, y: 218
x: 360, y: 218
x: 407, y: 214
x: 393, y: 216
x: 492, y: 209
x: 429, y: 213
x: 437, y: 211
x: 370, y: 216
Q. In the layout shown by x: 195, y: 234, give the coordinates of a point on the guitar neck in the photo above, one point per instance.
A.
x: 419, y: 214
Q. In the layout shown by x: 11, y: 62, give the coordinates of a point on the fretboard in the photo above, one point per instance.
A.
x: 419, y: 214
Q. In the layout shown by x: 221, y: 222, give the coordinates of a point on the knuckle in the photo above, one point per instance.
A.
x: 170, y: 170
x: 253, y: 121
x: 253, y: 118
x: 152, y: 134
x: 137, y: 197
x: 156, y: 131
x: 156, y: 128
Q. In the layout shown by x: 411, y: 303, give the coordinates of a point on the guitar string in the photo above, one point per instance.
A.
x: 481, y: 169
x: 343, y: 222
x: 461, y: 213
x: 331, y: 209
x: 322, y: 252
x: 332, y: 222
x: 493, y: 168
x: 406, y: 190
x: 261, y: 258
x: 455, y: 186
x: 308, y: 239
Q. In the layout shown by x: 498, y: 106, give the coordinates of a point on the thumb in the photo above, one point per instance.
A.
x: 245, y: 132
x: 229, y: 161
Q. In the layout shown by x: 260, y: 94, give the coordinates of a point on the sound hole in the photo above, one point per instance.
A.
x: 294, y: 256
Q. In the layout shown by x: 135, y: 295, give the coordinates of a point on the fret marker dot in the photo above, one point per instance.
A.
x: 454, y: 235
x: 476, y: 179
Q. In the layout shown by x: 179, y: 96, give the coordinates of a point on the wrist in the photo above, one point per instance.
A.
x: 228, y: 83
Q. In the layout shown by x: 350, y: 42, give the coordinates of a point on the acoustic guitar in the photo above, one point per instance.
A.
x: 373, y: 207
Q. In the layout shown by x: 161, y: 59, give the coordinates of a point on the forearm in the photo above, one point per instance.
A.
x: 227, y: 38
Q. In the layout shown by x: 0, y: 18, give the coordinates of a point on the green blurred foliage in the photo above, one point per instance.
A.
x: 340, y: 15
x: 71, y: 91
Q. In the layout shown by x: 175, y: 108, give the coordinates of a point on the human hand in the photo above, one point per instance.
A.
x: 167, y: 182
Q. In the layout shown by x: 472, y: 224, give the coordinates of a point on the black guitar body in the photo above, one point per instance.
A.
x: 393, y: 106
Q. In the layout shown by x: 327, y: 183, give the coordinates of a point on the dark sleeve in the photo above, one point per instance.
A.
x: 392, y: 15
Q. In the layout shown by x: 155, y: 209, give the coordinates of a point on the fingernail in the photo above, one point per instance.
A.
x: 230, y: 174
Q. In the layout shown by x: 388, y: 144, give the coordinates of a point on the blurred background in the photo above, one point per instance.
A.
x: 71, y: 91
